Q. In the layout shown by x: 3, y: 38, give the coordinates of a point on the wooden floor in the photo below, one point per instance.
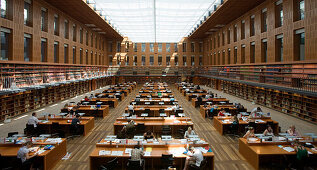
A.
x: 226, y: 148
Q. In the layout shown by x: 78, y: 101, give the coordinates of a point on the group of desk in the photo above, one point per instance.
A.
x: 150, y: 102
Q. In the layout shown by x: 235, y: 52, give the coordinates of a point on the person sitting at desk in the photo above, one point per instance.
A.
x: 148, y: 135
x: 194, y: 159
x: 268, y: 131
x: 301, y: 155
x: 136, y: 154
x: 75, y: 120
x: 199, y: 100
x: 33, y: 120
x: 91, y: 96
x: 23, y: 154
x: 131, y: 108
x: 175, y: 107
x: 222, y: 113
x: 255, y: 111
x: 292, y: 131
x: 86, y: 98
x: 189, y: 132
x: 250, y: 133
x: 198, y: 87
x: 235, y: 119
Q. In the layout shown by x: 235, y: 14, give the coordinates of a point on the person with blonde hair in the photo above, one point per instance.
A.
x: 189, y: 132
x: 292, y: 131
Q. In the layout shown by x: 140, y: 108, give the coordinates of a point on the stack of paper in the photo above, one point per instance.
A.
x: 147, y: 153
x: 104, y: 152
x: 203, y: 150
x: 117, y: 153
x: 54, y: 140
x: 289, y: 149
x: 128, y: 150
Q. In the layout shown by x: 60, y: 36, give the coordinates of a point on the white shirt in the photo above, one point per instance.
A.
x: 21, y: 153
x: 198, y: 155
x: 130, y: 107
x: 187, y: 133
x: 33, y: 121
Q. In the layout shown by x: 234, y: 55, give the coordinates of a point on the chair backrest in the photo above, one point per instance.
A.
x: 134, y: 164
x: 147, y: 110
x: 10, y: 134
x: 55, y: 125
x: 252, y: 124
x: 112, y: 163
x: 161, y: 111
x: 203, y: 163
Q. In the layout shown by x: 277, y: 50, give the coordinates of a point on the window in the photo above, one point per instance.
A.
x: 56, y: 26
x: 159, y: 60
x: 43, y: 50
x: 127, y: 60
x: 242, y: 30
x: 235, y: 33
x: 65, y: 53
x: 218, y: 40
x: 299, y: 45
x: 184, y: 47
x: 279, y: 48
x: 143, y: 47
x: 81, y: 56
x: 218, y: 60
x: 96, y: 43
x: 87, y: 38
x: 228, y: 34
x: 252, y: 52
x: 74, y: 55
x: 168, y: 47
x: 252, y: 27
x: 86, y: 56
x: 184, y: 60
x: 5, y: 43
x: 175, y: 47
x: 229, y: 57
x: 81, y: 35
x: 299, y: 10
x: 151, y: 60
x: 176, y: 60
x: 151, y: 47
x: 210, y: 43
x: 118, y: 46
x: 264, y: 50
x: 66, y: 29
x: 110, y: 60
x: 135, y: 47
x: 56, y: 52
x: 192, y: 47
x: 27, y: 47
x: 223, y: 57
x: 6, y: 9
x: 27, y: 12
x: 74, y: 32
x: 91, y: 40
x: 192, y: 60
x: 235, y: 55
x: 279, y: 13
x: 200, y: 47
x: 43, y: 19
x: 264, y: 20
x: 242, y: 53
x: 159, y: 47
x: 223, y: 38
x: 168, y: 60
x: 200, y: 60
x: 135, y: 60
x: 143, y: 60
x: 91, y: 58
x: 110, y: 46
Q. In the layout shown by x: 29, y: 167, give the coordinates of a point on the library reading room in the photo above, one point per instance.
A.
x: 160, y: 85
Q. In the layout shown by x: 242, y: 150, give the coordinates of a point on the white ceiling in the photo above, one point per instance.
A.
x: 155, y: 20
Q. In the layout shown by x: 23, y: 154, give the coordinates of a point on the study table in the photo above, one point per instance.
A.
x: 196, y: 91
x: 223, y: 101
x: 154, y: 110
x: 48, y: 159
x: 260, y: 154
x: 125, y: 92
x: 229, y: 108
x: 155, y: 91
x: 154, y: 153
x: 155, y: 101
x: 85, y: 126
x: 223, y: 124
x: 155, y: 95
x: 155, y: 124
x: 189, y: 96
x: 112, y: 102
x: 129, y: 88
x: 89, y: 110
x: 154, y: 88
x: 110, y: 95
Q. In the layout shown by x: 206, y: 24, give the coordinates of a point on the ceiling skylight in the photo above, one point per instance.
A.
x: 155, y: 20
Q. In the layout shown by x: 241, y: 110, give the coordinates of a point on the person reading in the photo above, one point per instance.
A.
x: 189, y: 132
x: 292, y: 131
x: 222, y: 113
x: 148, y: 135
x: 195, y: 156
x: 268, y: 131
x: 23, y: 155
x: 250, y: 133
x: 136, y: 154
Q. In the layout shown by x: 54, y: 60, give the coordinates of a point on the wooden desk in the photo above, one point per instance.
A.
x: 260, y: 154
x: 163, y: 95
x: 112, y: 102
x: 155, y: 124
x: 154, y: 91
x: 119, y: 96
x: 222, y: 127
x: 155, y: 101
x: 130, y: 88
x: 86, y: 125
x: 48, y: 159
x: 213, y: 100
x: 151, y: 162
x: 154, y: 110
x: 230, y: 108
x: 189, y: 96
x: 193, y: 91
x: 100, y: 112
x: 125, y: 92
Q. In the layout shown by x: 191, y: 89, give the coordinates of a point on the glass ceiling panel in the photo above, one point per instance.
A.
x: 155, y: 20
